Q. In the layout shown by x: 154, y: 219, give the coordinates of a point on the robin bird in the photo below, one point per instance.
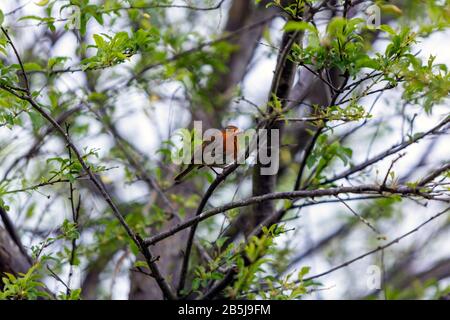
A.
x: 229, y: 149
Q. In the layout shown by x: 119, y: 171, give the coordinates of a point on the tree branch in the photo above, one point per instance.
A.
x: 291, y: 195
x: 165, y: 288
x: 387, y: 153
x: 387, y: 245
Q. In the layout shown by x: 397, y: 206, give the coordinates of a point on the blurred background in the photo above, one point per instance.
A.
x: 221, y: 84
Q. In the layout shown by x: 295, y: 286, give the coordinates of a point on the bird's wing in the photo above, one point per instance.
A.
x: 198, y: 152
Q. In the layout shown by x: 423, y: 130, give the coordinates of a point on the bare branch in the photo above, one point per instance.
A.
x: 387, y: 245
x: 292, y: 195
x: 167, y: 6
x: 99, y: 186
x: 388, y: 152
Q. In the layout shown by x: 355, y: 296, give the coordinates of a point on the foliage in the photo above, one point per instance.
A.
x: 24, y: 287
x: 87, y: 155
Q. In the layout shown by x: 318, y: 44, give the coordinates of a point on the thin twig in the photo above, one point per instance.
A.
x: 162, y: 283
x: 390, y: 151
x: 16, y: 53
x: 228, y: 278
x: 390, y: 168
x: 387, y: 245
x: 166, y: 6
x: 361, y: 218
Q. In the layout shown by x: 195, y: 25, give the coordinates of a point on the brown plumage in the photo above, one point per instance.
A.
x: 229, y: 143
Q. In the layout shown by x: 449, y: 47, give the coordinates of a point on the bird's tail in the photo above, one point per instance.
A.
x: 179, y: 177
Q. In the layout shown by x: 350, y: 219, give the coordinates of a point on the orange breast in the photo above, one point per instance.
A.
x: 230, y: 144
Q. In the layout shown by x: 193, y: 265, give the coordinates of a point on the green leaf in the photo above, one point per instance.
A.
x: 391, y: 9
x: 55, y: 61
x: 140, y: 264
x: 99, y: 41
x: 388, y: 29
x: 299, y: 26
x: 31, y: 17
x: 303, y: 271
x: 42, y: 3
x: 367, y: 62
x: 32, y: 66
x: 335, y: 25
